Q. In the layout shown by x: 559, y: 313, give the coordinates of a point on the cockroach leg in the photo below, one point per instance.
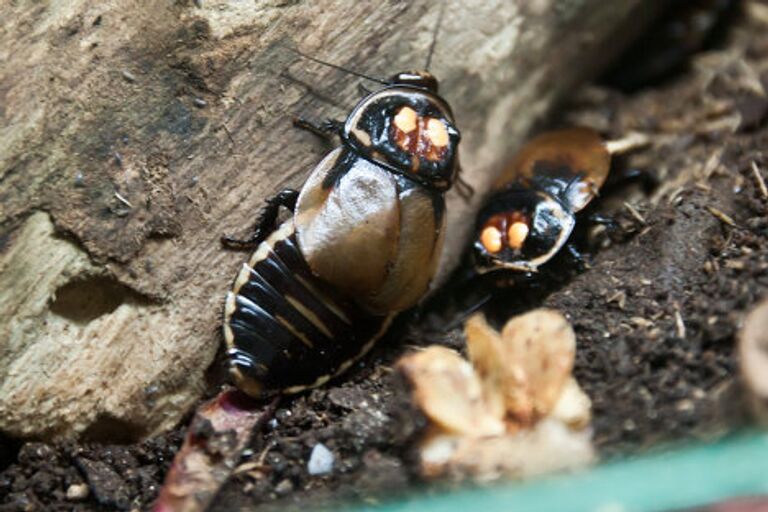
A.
x: 576, y: 257
x: 325, y: 130
x: 604, y: 220
x: 266, y: 222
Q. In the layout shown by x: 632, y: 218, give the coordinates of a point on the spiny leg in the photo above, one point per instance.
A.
x: 604, y: 220
x: 575, y: 257
x: 325, y: 130
x: 266, y: 222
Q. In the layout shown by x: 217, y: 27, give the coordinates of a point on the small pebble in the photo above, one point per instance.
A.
x: 129, y: 77
x: 77, y: 492
x: 284, y: 487
x: 320, y: 460
x: 200, y: 103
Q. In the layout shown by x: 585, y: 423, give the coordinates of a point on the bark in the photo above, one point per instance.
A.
x: 133, y: 136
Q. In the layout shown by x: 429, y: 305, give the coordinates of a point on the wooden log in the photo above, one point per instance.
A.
x: 132, y: 137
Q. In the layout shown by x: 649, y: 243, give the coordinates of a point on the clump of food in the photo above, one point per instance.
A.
x: 753, y: 358
x: 513, y: 410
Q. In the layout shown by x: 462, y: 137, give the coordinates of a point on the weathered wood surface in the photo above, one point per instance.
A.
x: 133, y: 134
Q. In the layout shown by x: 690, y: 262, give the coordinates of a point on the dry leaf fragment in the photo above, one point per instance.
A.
x: 529, y: 362
x: 544, y: 345
x: 515, y: 411
x: 573, y: 407
x: 486, y: 351
x: 547, y: 447
x: 212, y: 446
x: 448, y: 391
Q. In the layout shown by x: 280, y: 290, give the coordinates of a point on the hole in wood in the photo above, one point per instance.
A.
x: 108, y: 429
x: 85, y: 299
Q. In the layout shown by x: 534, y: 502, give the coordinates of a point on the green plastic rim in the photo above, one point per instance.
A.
x: 736, y: 466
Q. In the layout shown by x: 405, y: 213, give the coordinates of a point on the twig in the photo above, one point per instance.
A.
x: 632, y: 141
x: 635, y: 213
x: 759, y: 179
x: 723, y: 217
x: 679, y: 323
x: 675, y: 194
x: 712, y: 163
x: 229, y: 134
x: 123, y: 200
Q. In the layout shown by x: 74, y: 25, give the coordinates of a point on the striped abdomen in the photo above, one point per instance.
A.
x: 287, y: 331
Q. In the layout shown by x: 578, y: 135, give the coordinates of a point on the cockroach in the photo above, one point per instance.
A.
x: 531, y: 212
x: 362, y: 244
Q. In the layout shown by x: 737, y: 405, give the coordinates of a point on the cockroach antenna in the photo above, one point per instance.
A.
x: 340, y: 68
x: 434, y: 35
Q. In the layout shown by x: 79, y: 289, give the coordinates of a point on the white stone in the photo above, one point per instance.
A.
x: 77, y: 492
x: 320, y: 460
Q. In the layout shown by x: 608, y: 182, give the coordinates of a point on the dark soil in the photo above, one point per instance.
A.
x: 655, y: 315
x: 94, y: 476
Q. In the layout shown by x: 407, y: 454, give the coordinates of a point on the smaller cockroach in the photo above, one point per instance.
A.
x: 532, y: 210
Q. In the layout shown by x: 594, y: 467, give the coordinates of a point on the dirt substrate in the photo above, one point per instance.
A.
x: 655, y: 315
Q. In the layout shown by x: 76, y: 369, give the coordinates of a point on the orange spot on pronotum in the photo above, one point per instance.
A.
x: 437, y: 133
x: 406, y: 120
x: 491, y: 239
x: 516, y: 235
x: 422, y: 137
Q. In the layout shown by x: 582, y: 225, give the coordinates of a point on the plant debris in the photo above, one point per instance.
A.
x: 514, y: 411
x: 213, y: 444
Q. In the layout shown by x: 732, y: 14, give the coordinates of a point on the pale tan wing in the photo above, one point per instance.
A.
x: 418, y: 251
x: 580, y: 149
x: 348, y: 227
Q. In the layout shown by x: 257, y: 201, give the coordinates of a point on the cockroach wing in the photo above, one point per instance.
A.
x: 418, y: 250
x: 348, y: 224
x: 571, y: 164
